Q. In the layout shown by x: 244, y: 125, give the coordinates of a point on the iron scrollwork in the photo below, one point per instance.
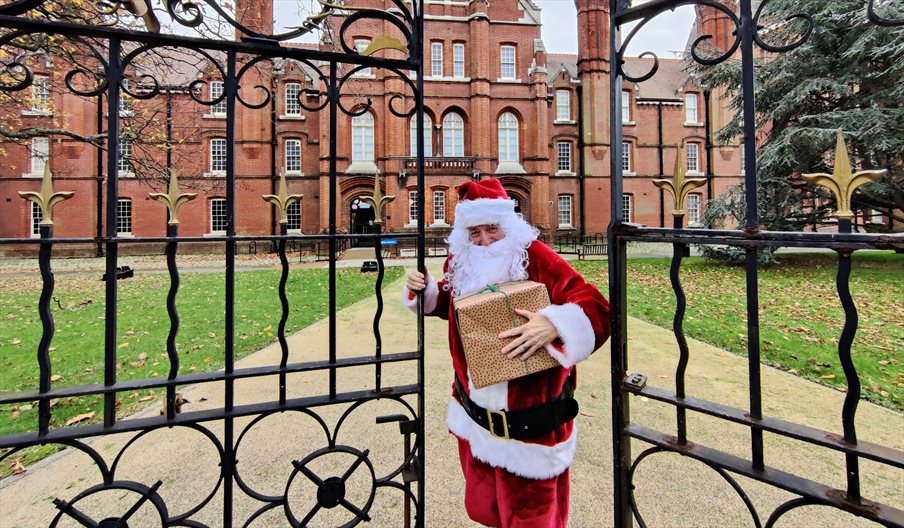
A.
x: 793, y: 32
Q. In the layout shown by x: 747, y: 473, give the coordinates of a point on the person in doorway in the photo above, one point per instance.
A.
x: 514, y: 482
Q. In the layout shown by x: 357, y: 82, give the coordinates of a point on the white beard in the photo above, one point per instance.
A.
x: 479, y: 266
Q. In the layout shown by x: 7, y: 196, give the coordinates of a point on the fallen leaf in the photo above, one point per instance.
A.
x: 142, y: 356
x: 56, y: 377
x: 123, y: 345
x: 207, y: 359
x: 211, y: 334
x: 591, y: 415
x: 14, y: 414
x: 146, y: 398
x: 884, y: 362
x: 25, y: 407
x: 80, y: 417
x: 827, y: 376
x: 18, y: 469
x: 15, y: 342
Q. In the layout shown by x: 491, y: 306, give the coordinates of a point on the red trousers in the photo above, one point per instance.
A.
x: 494, y: 497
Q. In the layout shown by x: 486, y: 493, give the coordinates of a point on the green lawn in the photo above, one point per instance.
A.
x: 800, y: 315
x: 77, y: 350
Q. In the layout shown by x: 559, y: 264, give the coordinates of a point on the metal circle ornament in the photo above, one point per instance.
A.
x: 145, y: 497
x: 331, y: 492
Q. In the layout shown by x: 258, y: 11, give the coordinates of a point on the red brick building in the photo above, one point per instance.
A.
x: 496, y: 104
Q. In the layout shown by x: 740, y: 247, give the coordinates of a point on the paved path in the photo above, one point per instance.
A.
x: 672, y: 491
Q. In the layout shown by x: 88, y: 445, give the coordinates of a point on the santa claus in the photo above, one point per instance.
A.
x: 516, y: 439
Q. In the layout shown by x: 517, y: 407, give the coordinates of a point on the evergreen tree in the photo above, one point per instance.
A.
x: 849, y: 74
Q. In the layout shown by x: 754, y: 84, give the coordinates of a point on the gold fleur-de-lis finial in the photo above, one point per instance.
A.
x: 384, y: 42
x: 283, y: 199
x: 679, y: 186
x: 378, y: 201
x: 46, y: 199
x: 173, y: 199
x: 842, y: 182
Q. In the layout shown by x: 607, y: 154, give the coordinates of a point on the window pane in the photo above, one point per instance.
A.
x: 508, y: 137
x: 412, y: 207
x: 507, y: 54
x: 40, y: 89
x: 626, y: 157
x: 360, y: 46
x: 124, y: 217
x: 216, y: 90
x: 439, y: 206
x: 625, y: 107
x: 217, y: 155
x: 436, y: 59
x: 217, y: 215
x: 363, y: 138
x: 626, y: 208
x: 40, y: 150
x: 458, y: 60
x: 564, y: 210
x: 293, y: 90
x: 36, y: 217
x: 693, y: 208
x: 453, y: 135
x: 428, y: 144
x: 563, y: 105
x: 293, y: 214
x: 690, y: 108
x: 564, y: 157
x: 293, y: 155
x: 693, y: 157
x: 124, y: 161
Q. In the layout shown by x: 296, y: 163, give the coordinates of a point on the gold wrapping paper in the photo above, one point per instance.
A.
x: 482, y: 316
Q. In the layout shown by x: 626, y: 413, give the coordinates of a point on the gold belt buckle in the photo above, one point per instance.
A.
x: 505, y: 434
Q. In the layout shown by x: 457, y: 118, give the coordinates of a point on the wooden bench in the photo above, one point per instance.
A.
x: 592, y: 249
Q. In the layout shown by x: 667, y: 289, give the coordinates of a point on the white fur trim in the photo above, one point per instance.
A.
x: 490, y: 397
x: 470, y: 213
x: 431, y: 296
x: 533, y: 461
x: 575, y: 331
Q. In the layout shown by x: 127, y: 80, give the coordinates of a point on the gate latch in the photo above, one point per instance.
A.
x: 635, y: 382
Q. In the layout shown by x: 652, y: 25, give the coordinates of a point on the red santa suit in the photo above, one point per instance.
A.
x: 517, y: 483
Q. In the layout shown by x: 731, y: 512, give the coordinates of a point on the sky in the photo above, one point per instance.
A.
x: 664, y: 34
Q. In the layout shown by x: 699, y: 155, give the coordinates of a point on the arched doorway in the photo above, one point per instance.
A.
x: 361, y: 218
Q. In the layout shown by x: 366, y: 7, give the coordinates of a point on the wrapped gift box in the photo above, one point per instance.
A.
x: 482, y: 316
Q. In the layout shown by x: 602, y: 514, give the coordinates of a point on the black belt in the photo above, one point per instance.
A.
x: 523, y: 423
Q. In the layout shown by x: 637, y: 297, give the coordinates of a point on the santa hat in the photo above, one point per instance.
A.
x: 481, y: 203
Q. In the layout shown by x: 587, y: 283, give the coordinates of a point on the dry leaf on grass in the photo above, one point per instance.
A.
x: 80, y: 417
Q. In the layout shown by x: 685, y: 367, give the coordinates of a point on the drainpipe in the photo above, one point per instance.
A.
x: 273, y: 175
x: 99, y: 214
x: 661, y: 152
x: 581, y: 182
x: 708, y: 147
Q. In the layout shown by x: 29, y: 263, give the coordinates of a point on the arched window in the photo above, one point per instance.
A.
x: 453, y: 135
x: 428, y: 144
x: 363, y: 137
x: 508, y: 137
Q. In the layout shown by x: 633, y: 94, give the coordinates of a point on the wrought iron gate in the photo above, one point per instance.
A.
x: 626, y: 433
x: 327, y: 470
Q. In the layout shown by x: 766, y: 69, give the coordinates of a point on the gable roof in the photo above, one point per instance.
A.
x: 664, y: 84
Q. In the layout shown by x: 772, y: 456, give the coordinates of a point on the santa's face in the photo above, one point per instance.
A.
x: 484, y: 235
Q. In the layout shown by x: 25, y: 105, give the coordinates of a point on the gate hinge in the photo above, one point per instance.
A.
x: 635, y: 382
